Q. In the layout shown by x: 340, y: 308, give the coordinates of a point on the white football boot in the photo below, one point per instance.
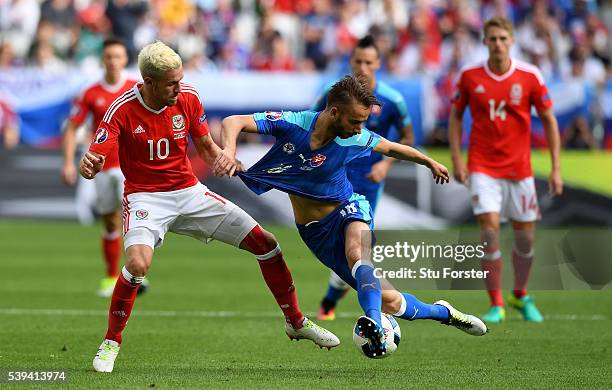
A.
x: 466, y: 322
x: 104, y: 361
x: 311, y: 331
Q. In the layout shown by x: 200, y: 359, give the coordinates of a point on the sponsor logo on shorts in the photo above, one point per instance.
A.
x: 141, y: 214
x: 474, y: 199
x: 273, y: 115
x: 178, y: 122
x: 289, y: 148
x: 101, y: 135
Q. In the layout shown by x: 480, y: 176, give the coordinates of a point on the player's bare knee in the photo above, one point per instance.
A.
x: 489, y: 236
x: 137, y: 262
x: 523, y: 242
x: 391, y: 301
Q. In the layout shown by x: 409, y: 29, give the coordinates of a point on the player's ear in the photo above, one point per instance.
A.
x: 148, y: 80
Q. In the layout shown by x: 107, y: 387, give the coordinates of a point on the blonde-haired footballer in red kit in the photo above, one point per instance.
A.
x: 151, y: 124
x: 94, y: 101
x: 500, y: 93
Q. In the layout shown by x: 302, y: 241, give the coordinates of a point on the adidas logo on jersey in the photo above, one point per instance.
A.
x: 139, y: 130
x: 480, y: 89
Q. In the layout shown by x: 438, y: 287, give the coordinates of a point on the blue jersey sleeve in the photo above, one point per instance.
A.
x: 279, y: 123
x: 360, y: 145
x: 403, y: 118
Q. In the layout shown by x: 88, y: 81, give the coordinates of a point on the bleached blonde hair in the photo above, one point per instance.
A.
x: 156, y: 58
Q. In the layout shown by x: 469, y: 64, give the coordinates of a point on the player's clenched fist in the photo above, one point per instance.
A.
x: 91, y: 164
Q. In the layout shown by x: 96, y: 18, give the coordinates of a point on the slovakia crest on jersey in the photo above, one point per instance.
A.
x: 101, y: 135
x: 273, y: 115
x: 315, y: 161
x: 178, y: 122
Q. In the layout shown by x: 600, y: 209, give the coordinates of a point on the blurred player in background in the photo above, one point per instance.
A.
x: 367, y: 174
x: 308, y: 162
x: 9, y: 130
x: 151, y: 125
x: 500, y: 93
x: 94, y: 101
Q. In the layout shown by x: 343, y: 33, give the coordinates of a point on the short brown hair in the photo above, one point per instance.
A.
x: 498, y: 22
x: 113, y: 41
x: 350, y: 89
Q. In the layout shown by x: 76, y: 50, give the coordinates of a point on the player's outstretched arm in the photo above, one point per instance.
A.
x: 220, y: 163
x: 454, y: 137
x: 232, y: 126
x: 91, y: 164
x: 405, y: 152
x: 551, y: 129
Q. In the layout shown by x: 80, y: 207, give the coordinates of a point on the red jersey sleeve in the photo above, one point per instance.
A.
x: 460, y: 98
x: 80, y: 110
x: 106, y: 138
x: 198, y: 123
x: 539, y: 95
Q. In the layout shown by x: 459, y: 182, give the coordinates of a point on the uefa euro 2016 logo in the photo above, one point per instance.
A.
x: 101, y: 135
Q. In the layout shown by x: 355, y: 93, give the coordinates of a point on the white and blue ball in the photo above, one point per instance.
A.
x: 392, y: 331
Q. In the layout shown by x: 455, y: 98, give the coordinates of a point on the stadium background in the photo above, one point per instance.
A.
x: 245, y: 56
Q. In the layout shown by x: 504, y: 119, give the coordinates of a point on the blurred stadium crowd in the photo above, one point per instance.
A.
x: 566, y: 39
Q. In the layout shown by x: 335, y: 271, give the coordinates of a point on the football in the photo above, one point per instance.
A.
x: 393, y: 336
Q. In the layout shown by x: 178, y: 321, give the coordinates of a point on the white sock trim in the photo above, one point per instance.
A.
x: 492, y: 256
x: 402, y: 309
x: 269, y: 255
x: 131, y: 278
x: 111, y: 235
x: 358, y: 264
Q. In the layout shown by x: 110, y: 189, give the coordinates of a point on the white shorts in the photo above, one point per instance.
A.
x: 109, y: 190
x: 195, y: 211
x: 511, y: 199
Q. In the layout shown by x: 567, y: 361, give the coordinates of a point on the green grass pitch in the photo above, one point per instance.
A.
x: 187, y: 331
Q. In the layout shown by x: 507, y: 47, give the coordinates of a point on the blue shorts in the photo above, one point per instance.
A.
x: 371, y: 192
x: 364, y: 186
x: 325, y: 238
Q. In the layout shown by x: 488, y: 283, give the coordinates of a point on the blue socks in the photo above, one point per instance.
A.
x: 413, y: 309
x: 369, y: 292
x: 334, y: 294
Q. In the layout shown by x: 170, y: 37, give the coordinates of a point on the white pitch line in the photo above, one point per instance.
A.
x: 229, y: 314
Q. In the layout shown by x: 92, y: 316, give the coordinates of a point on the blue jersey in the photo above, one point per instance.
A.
x: 292, y: 166
x: 387, y: 121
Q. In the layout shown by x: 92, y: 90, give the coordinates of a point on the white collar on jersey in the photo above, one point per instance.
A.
x: 112, y: 88
x: 500, y: 77
x: 141, y: 100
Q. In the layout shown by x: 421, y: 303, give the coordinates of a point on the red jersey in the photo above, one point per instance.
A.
x: 95, y: 100
x: 500, y: 104
x: 152, y: 143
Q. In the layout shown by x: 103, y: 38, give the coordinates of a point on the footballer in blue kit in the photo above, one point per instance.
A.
x: 367, y: 174
x: 308, y: 161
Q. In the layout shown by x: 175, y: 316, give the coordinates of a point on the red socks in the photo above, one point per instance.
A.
x: 121, y: 304
x: 493, y: 280
x: 279, y: 281
x: 276, y: 274
x: 111, y: 248
x: 522, y: 267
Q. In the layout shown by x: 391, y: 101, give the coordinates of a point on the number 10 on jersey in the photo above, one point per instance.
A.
x: 159, y: 149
